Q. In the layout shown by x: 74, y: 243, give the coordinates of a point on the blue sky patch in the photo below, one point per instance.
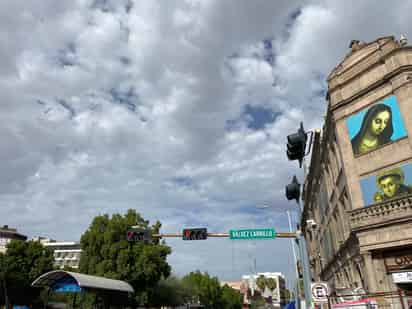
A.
x: 182, y: 181
x: 258, y: 116
x: 255, y: 117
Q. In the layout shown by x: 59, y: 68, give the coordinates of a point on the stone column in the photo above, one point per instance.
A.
x: 370, y: 270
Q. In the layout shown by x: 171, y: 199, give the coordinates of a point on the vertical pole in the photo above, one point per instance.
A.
x: 6, y: 297
x: 47, y: 298
x: 329, y: 303
x: 296, y: 285
x: 74, y: 300
x: 293, y: 246
x: 81, y: 299
x: 306, y: 272
x: 304, y: 254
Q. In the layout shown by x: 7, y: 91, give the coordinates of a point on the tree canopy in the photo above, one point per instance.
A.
x: 208, y: 291
x: 107, y: 253
x: 22, y: 263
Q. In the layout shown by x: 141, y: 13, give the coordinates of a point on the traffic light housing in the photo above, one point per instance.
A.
x: 296, y: 145
x: 195, y: 234
x: 134, y: 235
x: 293, y: 190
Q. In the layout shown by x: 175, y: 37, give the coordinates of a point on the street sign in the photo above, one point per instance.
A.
x: 403, y: 277
x: 320, y: 292
x: 252, y: 234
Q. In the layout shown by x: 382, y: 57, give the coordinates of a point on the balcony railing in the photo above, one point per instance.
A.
x: 382, y: 213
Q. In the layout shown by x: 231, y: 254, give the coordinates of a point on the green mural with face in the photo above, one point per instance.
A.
x: 391, y: 184
x: 375, y: 126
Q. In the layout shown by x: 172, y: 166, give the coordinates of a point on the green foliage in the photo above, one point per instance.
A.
x: 170, y: 292
x: 257, y: 302
x: 22, y: 263
x: 107, y: 253
x: 231, y: 299
x: 271, y: 284
x: 261, y: 283
x: 194, y: 287
x: 206, y: 288
x: 286, y: 295
x: 208, y: 291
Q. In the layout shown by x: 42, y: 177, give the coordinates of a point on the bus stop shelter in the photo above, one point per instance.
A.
x: 106, y: 291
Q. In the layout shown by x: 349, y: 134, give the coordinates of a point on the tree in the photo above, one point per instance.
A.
x: 205, y: 288
x: 22, y: 263
x: 271, y: 284
x: 170, y: 292
x: 257, y: 301
x: 261, y: 283
x: 286, y: 295
x: 230, y: 298
x: 107, y: 253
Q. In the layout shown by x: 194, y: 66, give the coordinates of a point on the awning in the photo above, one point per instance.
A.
x: 58, y: 278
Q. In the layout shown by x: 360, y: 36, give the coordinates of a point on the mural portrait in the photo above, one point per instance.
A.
x: 375, y: 126
x: 387, y: 184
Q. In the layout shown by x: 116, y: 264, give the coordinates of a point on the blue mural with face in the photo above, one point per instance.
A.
x: 387, y: 184
x: 376, y: 126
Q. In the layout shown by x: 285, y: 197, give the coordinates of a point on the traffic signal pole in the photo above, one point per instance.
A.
x: 297, y: 150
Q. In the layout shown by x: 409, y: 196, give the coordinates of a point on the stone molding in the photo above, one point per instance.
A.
x: 385, y: 68
x: 383, y: 213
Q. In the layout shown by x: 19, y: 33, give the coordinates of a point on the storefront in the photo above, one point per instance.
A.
x: 398, y: 264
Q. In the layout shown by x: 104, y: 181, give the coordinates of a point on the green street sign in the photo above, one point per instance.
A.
x: 252, y: 234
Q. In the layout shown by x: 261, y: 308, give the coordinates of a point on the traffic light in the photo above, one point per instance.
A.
x: 296, y: 145
x: 293, y: 190
x: 195, y: 234
x: 139, y: 235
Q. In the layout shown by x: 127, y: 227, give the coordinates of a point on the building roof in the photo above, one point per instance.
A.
x: 61, y: 243
x: 11, y: 233
x: 83, y: 281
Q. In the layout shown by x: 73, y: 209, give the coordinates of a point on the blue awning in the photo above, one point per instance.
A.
x: 65, y: 281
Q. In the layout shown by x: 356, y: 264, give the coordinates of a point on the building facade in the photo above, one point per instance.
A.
x: 357, y: 218
x: 8, y: 234
x: 66, y: 253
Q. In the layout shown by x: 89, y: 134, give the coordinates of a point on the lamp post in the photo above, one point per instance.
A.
x: 293, y: 192
x: 266, y: 206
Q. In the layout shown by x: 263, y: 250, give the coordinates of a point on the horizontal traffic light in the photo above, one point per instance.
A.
x: 195, y: 234
x: 138, y: 235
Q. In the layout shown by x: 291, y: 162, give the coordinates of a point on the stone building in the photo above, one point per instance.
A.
x: 8, y: 234
x: 357, y: 217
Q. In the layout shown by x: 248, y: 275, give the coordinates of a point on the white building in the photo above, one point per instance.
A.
x: 275, y: 296
x: 66, y: 253
x: 8, y: 234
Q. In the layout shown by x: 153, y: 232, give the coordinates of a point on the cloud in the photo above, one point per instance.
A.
x: 179, y: 109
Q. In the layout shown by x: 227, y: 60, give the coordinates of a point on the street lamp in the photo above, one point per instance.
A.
x: 266, y: 206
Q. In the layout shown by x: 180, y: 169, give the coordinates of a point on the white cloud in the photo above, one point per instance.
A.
x: 110, y: 105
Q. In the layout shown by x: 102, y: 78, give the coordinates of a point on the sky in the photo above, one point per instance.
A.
x: 178, y: 109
